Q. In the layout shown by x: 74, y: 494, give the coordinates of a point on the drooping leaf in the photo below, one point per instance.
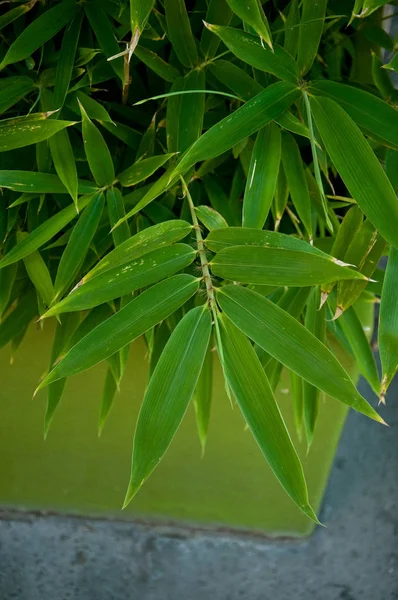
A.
x: 262, y: 176
x: 66, y: 60
x: 292, y: 344
x: 24, y: 131
x: 310, y: 32
x: 98, y: 156
x: 291, y: 29
x: 254, y: 396
x: 388, y: 324
x: 358, y: 166
x: 17, y: 320
x: 78, y: 244
x: 169, y: 392
x: 220, y: 13
x: 249, y: 49
x: 180, y: 33
x: 64, y: 162
x: 39, y: 31
x: 122, y: 280
x: 137, y: 317
x: 38, y: 272
x: 203, y: 396
x: 296, y: 179
x: 108, y: 397
x: 103, y: 30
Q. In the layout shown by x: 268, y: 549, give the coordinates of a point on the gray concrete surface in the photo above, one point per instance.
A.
x: 354, y: 558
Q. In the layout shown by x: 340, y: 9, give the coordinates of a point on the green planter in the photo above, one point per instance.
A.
x: 74, y: 471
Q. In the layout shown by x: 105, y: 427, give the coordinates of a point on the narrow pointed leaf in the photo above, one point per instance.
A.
x: 249, y: 49
x: 179, y: 32
x: 371, y: 113
x: 275, y: 266
x: 169, y: 392
x: 108, y: 398
x: 38, y: 272
x: 219, y: 12
x: 24, y: 131
x: 291, y: 29
x: 15, y: 88
x: 152, y: 238
x: 98, y: 156
x: 137, y: 317
x: 203, y: 396
x: 44, y: 232
x: 358, y: 166
x: 296, y: 179
x: 292, y: 344
x: 116, y: 211
x: 122, y: 280
x: 310, y: 32
x: 298, y: 405
x: 184, y: 117
x: 139, y: 13
x: 19, y: 318
x: 40, y: 183
x: 42, y: 29
x: 256, y: 400
x: 104, y: 33
x: 66, y: 60
x: 251, y: 12
x: 210, y: 218
x: 78, y: 244
x: 388, y: 324
x: 262, y: 176
x: 15, y: 13
x: 157, y: 64
x: 64, y: 161
x: 142, y: 169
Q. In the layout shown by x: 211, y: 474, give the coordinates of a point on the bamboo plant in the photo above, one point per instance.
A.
x: 217, y: 176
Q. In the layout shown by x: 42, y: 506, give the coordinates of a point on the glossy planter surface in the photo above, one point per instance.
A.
x: 74, y: 471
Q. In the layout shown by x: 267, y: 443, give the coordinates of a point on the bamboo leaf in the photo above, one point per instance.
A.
x: 152, y: 238
x: 393, y: 64
x: 262, y: 176
x: 44, y: 232
x: 116, y: 211
x: 249, y: 49
x: 296, y: 179
x: 98, y: 156
x: 139, y: 13
x: 254, y: 396
x: 104, y: 33
x: 42, y: 29
x: 291, y: 29
x: 179, y: 32
x: 18, y: 319
x: 134, y: 319
x: 203, y: 396
x: 40, y: 183
x: 358, y: 166
x: 64, y: 162
x: 169, y: 392
x: 381, y: 78
x: 298, y: 404
x: 78, y: 244
x: 37, y: 272
x: 24, y: 131
x: 388, y: 324
x: 108, y: 398
x: 219, y: 12
x: 15, y: 13
x: 157, y: 64
x: 371, y: 113
x: 122, y: 280
x: 293, y: 345
x: 310, y: 32
x: 66, y: 59
x: 276, y: 266
x: 142, y: 169
x: 252, y: 13
x: 210, y: 218
x: 15, y: 88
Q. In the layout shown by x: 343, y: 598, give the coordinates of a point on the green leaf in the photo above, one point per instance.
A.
x: 252, y: 391
x: 94, y: 109
x: 203, y: 396
x: 388, y: 324
x: 122, y: 280
x: 98, y: 156
x: 39, y: 31
x: 298, y: 404
x: 156, y: 64
x: 44, y: 232
x: 293, y: 345
x: 252, y: 13
x: 64, y: 162
x: 15, y: 13
x: 291, y: 29
x: 179, y: 32
x: 18, y: 319
x: 142, y: 169
x: 116, y: 211
x: 372, y: 114
x: 40, y: 183
x: 358, y: 166
x: 355, y: 334
x: 127, y: 134
x: 238, y: 236
x: 381, y: 78
x: 262, y: 176
x: 152, y: 238
x: 393, y: 64
x: 276, y: 266
x: 105, y: 35
x: 169, y: 392
x: 210, y: 218
x: 108, y: 398
x: 38, y: 272
x: 139, y: 13
x: 15, y: 88
x: 296, y: 179
x: 249, y: 49
x: 24, y: 131
x: 219, y: 12
x: 236, y: 79
x: 310, y: 33
x: 141, y: 314
x: 66, y: 59
x: 78, y: 244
